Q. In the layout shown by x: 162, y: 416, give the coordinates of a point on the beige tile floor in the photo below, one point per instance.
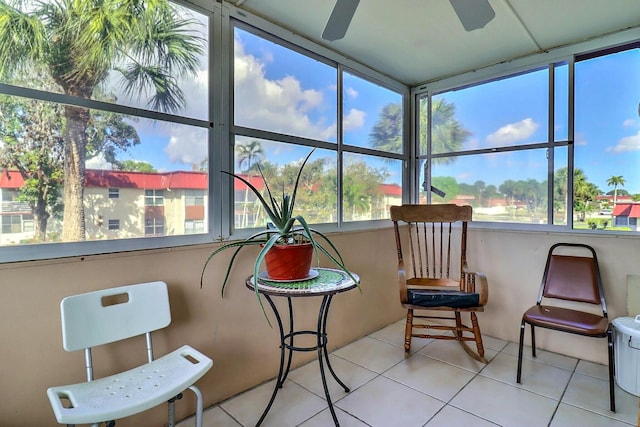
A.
x: 437, y: 386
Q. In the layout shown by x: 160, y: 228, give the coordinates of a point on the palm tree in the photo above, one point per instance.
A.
x: 248, y: 153
x: 584, y: 192
x: 80, y: 42
x: 447, y: 133
x: 386, y: 134
x: 616, y: 181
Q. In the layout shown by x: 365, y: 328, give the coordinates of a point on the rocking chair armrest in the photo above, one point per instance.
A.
x: 482, y: 287
x: 402, y: 282
x: 477, y: 282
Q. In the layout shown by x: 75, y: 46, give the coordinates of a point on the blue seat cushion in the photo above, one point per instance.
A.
x: 442, y: 298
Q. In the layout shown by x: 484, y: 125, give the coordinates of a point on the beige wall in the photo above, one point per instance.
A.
x: 233, y: 330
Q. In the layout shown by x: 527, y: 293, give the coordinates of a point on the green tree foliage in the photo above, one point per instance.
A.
x: 80, y: 42
x: 31, y: 143
x: 317, y: 189
x: 361, y: 189
x: 386, y: 134
x: 447, y: 184
x: 447, y: 133
x: 136, y: 166
x: 584, y: 193
x: 530, y: 194
x: 108, y: 134
x: 619, y: 192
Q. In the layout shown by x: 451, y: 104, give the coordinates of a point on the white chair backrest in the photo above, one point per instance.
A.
x: 101, y: 317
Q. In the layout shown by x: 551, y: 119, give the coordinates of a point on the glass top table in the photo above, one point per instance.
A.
x: 321, y: 282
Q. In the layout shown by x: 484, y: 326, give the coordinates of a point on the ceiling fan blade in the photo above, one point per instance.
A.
x: 340, y: 19
x: 473, y: 14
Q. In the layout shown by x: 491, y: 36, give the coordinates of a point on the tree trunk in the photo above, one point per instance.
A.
x: 73, y: 228
x: 40, y: 219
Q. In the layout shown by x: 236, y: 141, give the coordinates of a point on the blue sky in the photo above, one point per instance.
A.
x: 291, y: 93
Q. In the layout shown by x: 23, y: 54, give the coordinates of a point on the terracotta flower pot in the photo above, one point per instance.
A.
x: 289, y: 262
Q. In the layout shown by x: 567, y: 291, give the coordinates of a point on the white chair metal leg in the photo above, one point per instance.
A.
x: 199, y: 405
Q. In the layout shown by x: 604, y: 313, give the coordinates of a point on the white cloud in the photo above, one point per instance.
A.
x: 187, y: 147
x: 628, y: 143
x: 354, y: 119
x: 513, y: 132
x: 281, y: 105
x: 352, y: 93
x: 98, y: 162
x: 277, y: 105
x: 580, y: 139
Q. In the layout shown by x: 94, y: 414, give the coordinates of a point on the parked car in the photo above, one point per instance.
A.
x: 606, y: 212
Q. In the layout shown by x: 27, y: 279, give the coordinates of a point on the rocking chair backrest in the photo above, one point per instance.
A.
x: 437, y: 238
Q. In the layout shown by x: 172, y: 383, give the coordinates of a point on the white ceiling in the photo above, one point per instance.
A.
x: 416, y: 41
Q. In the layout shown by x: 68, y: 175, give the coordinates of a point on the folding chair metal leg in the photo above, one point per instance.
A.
x: 533, y: 340
x: 520, y: 347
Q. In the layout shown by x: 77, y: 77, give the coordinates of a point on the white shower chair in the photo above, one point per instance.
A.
x: 101, y: 317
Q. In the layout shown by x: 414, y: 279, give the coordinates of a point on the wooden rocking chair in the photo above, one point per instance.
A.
x: 436, y: 276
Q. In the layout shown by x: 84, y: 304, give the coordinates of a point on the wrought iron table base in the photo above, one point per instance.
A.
x: 286, y: 344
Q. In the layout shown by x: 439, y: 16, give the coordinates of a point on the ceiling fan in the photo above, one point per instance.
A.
x: 473, y: 14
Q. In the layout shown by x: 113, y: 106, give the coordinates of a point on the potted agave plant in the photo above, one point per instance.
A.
x: 287, y: 244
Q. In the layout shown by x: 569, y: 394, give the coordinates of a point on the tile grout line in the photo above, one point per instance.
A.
x: 566, y: 387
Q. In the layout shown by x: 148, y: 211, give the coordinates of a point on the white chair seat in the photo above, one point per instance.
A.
x: 129, y: 392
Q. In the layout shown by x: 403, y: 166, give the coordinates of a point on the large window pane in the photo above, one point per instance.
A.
x: 165, y: 48
x: 370, y: 185
x: 137, y: 172
x: 372, y: 115
x: 510, y: 111
x: 561, y: 102
x: 279, y: 163
x: 607, y: 140
x: 280, y: 90
x: 502, y: 187
x: 560, y: 182
x: 84, y: 170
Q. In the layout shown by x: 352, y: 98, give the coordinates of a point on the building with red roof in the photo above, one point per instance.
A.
x: 626, y: 214
x: 130, y: 204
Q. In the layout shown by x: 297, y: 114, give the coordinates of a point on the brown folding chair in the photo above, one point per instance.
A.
x: 436, y: 276
x: 570, y: 278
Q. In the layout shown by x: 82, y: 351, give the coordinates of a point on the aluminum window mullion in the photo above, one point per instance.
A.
x: 551, y: 139
x: 340, y: 140
x: 571, y: 145
x: 220, y: 115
